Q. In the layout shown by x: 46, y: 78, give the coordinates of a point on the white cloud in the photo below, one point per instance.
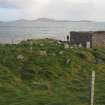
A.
x: 61, y: 9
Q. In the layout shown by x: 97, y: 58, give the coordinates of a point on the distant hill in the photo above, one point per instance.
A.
x: 86, y: 21
x: 37, y: 20
x: 44, y: 20
x: 22, y: 20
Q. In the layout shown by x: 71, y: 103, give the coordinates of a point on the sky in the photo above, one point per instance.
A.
x: 54, y: 9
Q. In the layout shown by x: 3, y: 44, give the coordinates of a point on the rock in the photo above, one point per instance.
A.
x: 99, y: 61
x: 59, y: 42
x: 68, y: 61
x: 20, y: 57
x: 43, y: 53
x: 41, y: 44
x: 61, y: 52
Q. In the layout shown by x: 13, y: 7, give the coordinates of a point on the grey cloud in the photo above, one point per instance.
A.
x: 17, y: 3
x: 5, y: 4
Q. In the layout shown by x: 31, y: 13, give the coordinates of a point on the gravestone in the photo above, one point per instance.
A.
x: 88, y: 44
x: 80, y: 45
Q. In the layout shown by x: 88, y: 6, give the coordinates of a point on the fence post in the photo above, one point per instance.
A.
x: 31, y: 43
x: 92, y: 88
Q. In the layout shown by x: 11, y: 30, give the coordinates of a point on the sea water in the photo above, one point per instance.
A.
x: 17, y: 31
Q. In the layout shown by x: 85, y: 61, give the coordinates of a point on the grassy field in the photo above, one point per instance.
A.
x: 49, y: 74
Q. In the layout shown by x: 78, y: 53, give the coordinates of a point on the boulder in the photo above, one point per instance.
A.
x: 43, y: 53
x: 20, y: 57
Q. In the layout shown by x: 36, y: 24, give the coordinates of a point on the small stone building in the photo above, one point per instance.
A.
x: 91, y: 39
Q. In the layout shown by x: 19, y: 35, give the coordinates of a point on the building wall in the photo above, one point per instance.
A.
x: 80, y: 38
x: 98, y: 40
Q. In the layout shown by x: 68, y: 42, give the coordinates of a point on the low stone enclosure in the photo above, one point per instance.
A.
x: 91, y: 39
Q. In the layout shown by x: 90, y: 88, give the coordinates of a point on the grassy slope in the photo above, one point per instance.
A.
x: 49, y: 79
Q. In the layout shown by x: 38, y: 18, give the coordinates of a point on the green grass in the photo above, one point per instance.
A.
x: 49, y: 79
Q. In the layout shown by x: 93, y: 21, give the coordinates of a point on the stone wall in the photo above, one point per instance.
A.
x: 77, y: 38
x: 98, y: 39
